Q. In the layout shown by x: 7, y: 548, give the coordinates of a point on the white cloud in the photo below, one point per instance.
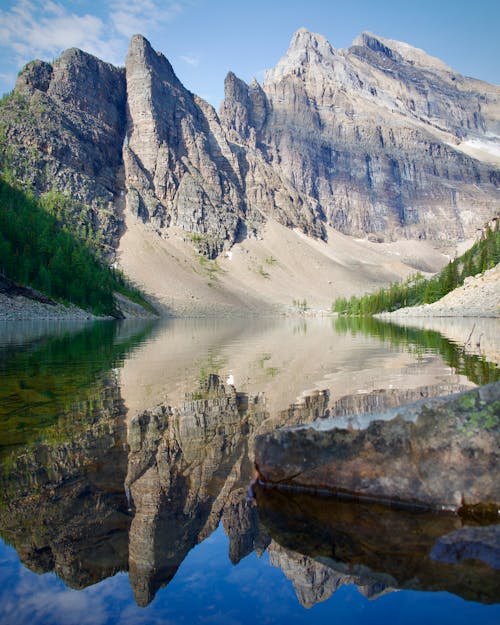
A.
x: 190, y: 60
x: 142, y: 16
x: 43, y: 29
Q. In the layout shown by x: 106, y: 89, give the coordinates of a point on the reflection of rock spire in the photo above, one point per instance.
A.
x: 183, y: 464
x: 312, y: 581
x: 315, y: 581
x: 242, y: 527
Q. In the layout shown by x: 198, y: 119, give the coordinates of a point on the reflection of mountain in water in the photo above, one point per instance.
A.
x: 185, y: 469
x: 375, y: 547
x: 315, y: 582
x: 183, y: 465
x: 63, y: 505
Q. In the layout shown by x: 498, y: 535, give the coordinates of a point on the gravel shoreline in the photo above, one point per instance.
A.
x: 19, y: 308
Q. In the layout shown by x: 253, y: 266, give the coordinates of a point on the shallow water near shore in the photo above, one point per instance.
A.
x: 126, y: 450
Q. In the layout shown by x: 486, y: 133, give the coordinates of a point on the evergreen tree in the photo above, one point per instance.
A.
x: 417, y: 290
x: 38, y: 250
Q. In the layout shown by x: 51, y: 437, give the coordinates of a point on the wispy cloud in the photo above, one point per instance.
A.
x: 190, y: 59
x: 142, y: 16
x: 43, y: 29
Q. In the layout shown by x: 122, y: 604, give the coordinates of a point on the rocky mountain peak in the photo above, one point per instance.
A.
x: 400, y: 51
x: 235, y: 88
x: 142, y: 59
x: 308, y: 41
x: 306, y: 49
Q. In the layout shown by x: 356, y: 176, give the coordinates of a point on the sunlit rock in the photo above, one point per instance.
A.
x: 440, y: 453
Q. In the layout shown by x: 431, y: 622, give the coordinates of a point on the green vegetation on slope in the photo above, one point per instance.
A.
x: 483, y: 255
x: 22, y: 160
x: 38, y: 250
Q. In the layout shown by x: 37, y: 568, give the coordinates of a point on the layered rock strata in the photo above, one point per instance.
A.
x: 376, y: 137
x: 378, y: 140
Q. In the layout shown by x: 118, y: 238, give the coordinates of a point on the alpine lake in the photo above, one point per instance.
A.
x: 126, y: 451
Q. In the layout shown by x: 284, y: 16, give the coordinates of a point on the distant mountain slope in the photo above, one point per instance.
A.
x: 375, y: 136
x: 379, y: 141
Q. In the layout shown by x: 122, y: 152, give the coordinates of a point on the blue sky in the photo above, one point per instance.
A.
x: 204, y: 39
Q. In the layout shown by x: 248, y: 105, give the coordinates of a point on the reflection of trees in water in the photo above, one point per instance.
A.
x: 186, y: 469
x: 58, y: 379
x: 476, y: 368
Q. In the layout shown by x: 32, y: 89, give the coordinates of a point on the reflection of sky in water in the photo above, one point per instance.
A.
x: 209, y: 589
x: 265, y: 357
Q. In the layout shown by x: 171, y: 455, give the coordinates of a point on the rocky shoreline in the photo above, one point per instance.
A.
x: 24, y: 308
x: 20, y: 308
x: 438, y: 453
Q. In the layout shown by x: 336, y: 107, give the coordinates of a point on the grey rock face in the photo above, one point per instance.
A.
x: 378, y: 140
x: 267, y: 192
x: 177, y: 160
x: 64, y: 128
x: 440, y: 453
x: 372, y: 137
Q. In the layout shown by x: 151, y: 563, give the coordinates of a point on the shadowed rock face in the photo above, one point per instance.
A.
x: 331, y: 542
x: 440, y: 453
x: 379, y: 140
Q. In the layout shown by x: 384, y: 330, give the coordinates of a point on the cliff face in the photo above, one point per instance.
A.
x: 375, y: 137
x: 62, y: 129
x: 179, y: 168
x: 379, y: 140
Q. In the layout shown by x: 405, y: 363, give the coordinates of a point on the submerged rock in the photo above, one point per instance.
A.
x: 322, y: 543
x: 479, y: 543
x: 436, y: 453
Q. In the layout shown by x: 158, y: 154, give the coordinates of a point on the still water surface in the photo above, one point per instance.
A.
x: 126, y: 450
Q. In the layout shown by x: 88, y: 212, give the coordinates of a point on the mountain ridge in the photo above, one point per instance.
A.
x: 379, y: 141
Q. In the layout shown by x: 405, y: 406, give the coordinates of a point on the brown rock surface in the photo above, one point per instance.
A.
x: 439, y: 453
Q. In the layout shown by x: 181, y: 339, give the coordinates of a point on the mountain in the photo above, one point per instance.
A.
x: 344, y: 170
